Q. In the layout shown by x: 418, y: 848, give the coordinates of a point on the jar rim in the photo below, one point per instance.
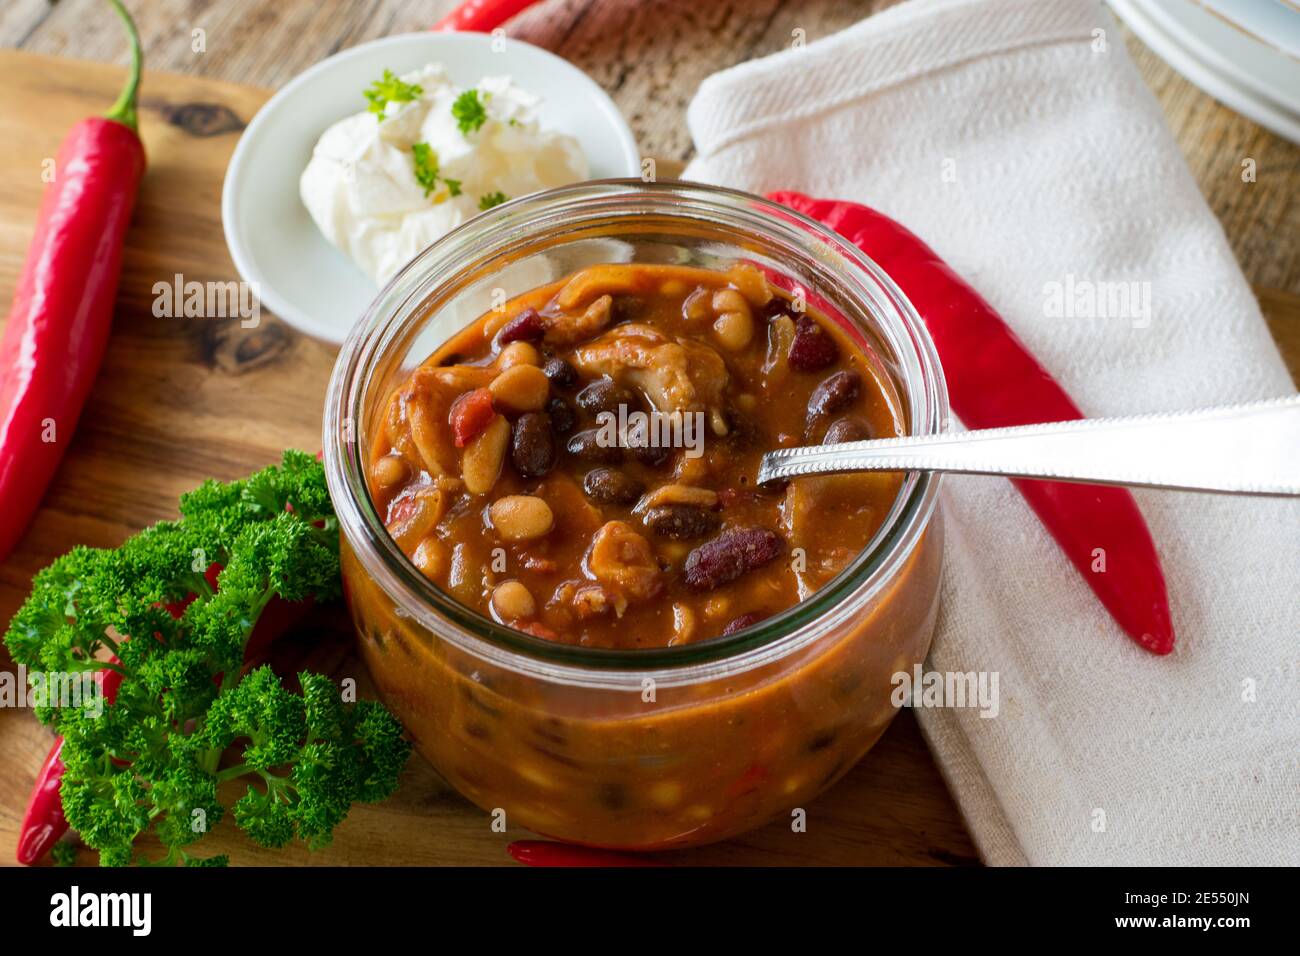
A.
x: 922, y: 387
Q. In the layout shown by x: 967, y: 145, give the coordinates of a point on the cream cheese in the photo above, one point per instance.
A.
x: 361, y: 184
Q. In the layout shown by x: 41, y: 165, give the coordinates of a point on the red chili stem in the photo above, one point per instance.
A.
x: 481, y: 16
x: 551, y: 853
x: 995, y: 381
x: 123, y: 111
x: 62, y: 311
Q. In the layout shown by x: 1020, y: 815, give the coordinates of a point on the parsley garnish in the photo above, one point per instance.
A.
x: 389, y: 89
x: 189, y: 719
x: 426, y: 166
x: 469, y: 112
x: 427, y: 172
x: 492, y: 199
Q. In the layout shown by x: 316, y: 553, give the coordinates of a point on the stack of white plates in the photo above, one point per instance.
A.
x: 1244, y: 53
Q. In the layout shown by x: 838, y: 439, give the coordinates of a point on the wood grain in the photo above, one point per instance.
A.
x: 651, y: 55
x: 181, y: 399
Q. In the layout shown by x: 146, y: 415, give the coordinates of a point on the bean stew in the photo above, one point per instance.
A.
x: 580, y: 463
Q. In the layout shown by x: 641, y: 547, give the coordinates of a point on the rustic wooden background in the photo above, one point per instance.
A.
x: 174, y: 406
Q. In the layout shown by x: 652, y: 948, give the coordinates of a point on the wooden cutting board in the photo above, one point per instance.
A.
x: 181, y: 400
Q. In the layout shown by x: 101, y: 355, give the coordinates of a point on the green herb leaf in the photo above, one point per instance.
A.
x: 469, y: 112
x: 492, y: 199
x: 149, y: 763
x: 389, y: 89
x: 426, y: 166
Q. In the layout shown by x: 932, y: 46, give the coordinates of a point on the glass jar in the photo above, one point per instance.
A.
x: 642, y: 748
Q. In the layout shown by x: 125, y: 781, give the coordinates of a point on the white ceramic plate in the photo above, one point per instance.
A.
x: 1238, y: 51
x: 275, y: 245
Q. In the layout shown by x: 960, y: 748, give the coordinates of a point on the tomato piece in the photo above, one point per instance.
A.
x: 470, y: 414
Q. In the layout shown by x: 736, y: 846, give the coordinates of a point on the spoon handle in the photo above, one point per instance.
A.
x: 1250, y: 449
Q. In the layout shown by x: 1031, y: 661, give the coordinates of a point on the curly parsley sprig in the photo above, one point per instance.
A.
x: 428, y: 172
x: 469, y: 111
x: 152, y: 762
x: 390, y: 89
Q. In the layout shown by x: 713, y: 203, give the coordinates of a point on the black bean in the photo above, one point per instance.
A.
x: 606, y: 395
x: 585, y: 446
x: 834, y: 393
x: 729, y: 555
x: 532, y: 445
x: 742, y: 433
x: 560, y: 372
x: 612, y: 487
x: 652, y: 456
x: 562, y: 416
x: 777, y: 305
x: 680, y: 521
x: 742, y: 622
x: 846, y: 429
x: 813, y: 348
x: 527, y: 326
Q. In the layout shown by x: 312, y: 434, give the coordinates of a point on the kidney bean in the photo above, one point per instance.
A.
x: 846, y: 429
x: 680, y: 521
x: 834, y: 393
x: 527, y: 326
x: 532, y: 445
x: 560, y: 372
x: 562, y: 416
x: 729, y: 555
x: 742, y: 622
x: 777, y: 305
x: 585, y: 447
x: 813, y: 348
x: 606, y: 395
x: 612, y: 487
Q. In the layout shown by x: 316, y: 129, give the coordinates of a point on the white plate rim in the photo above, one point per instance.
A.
x: 1179, y: 45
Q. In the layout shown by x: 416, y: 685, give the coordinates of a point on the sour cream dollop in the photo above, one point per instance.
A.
x: 361, y: 184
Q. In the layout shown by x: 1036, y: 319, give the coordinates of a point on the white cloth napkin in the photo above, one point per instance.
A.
x: 1017, y: 138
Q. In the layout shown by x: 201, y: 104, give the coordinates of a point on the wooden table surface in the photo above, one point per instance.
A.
x: 650, y: 55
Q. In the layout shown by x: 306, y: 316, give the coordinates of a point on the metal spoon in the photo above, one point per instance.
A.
x: 1251, y: 449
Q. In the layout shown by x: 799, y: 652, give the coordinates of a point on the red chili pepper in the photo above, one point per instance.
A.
x: 63, y: 307
x: 994, y: 381
x: 469, y: 415
x: 43, y: 823
x: 482, y: 16
x: 550, y: 853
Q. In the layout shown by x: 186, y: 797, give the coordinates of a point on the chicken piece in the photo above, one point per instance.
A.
x: 423, y: 405
x: 600, y: 281
x: 678, y: 494
x: 623, y: 562
x: 675, y: 376
x: 569, y: 328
